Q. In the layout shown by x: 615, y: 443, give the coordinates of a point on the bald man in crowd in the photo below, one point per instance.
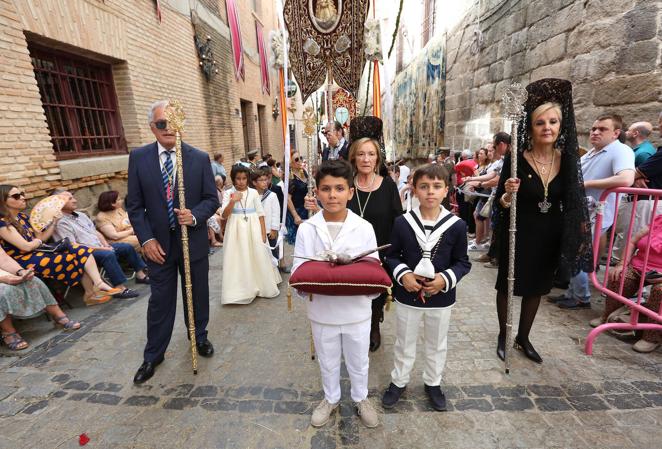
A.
x: 638, y: 135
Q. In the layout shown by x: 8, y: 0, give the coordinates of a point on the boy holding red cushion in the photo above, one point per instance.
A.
x: 340, y: 324
x: 428, y: 257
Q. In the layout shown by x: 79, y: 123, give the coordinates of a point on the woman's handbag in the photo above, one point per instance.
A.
x: 487, y: 208
x: 61, y: 246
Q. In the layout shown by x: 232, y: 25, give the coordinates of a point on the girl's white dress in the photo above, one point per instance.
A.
x: 247, y: 268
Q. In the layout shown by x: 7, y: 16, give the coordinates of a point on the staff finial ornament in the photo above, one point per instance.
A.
x: 514, y: 99
x: 174, y: 113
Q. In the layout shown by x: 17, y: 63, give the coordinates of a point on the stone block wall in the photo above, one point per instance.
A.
x: 611, y: 50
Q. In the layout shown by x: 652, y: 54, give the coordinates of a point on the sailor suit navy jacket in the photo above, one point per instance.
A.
x: 449, y: 258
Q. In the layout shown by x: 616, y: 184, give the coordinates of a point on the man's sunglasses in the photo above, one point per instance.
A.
x: 18, y: 196
x: 161, y: 124
x: 296, y: 159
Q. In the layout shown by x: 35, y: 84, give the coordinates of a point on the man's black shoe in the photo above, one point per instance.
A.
x: 437, y: 398
x: 127, y: 294
x: 205, y: 349
x: 392, y: 395
x: 145, y: 372
x: 555, y: 299
x: 573, y: 304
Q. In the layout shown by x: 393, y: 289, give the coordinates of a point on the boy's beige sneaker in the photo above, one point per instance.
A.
x: 322, y: 413
x: 367, y: 413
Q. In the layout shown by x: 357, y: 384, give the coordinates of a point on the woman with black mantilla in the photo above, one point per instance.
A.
x: 376, y: 196
x: 553, y: 226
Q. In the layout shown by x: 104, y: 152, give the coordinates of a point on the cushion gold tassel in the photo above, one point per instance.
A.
x: 389, y: 299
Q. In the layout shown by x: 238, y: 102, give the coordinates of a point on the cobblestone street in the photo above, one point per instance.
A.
x: 259, y: 389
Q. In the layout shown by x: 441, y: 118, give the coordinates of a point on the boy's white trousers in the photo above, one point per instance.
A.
x: 435, y: 331
x: 351, y: 341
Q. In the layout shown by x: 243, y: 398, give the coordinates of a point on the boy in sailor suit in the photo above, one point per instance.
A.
x: 428, y: 258
x: 340, y: 324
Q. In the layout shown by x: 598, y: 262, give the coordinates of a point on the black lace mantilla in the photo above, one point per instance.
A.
x: 576, y: 243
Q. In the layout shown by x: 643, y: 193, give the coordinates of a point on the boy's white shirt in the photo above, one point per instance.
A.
x: 271, y: 208
x: 355, y: 236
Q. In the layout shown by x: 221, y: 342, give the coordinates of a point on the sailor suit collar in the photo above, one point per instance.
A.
x: 428, y: 238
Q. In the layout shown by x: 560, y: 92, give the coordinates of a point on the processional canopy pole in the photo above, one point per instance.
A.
x: 514, y: 99
x: 175, y: 115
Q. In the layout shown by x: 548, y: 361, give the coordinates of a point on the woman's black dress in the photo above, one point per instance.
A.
x: 298, y: 190
x: 380, y: 211
x: 538, y: 238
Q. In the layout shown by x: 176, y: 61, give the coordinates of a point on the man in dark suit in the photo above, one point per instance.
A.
x: 152, y: 203
x: 338, y: 146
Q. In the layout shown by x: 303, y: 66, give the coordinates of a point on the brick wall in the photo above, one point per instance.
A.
x: 26, y: 153
x: 610, y: 49
x: 150, y: 61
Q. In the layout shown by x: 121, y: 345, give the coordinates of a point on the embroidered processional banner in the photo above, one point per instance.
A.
x: 326, y: 35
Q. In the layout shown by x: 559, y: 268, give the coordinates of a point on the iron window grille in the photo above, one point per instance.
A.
x: 79, y: 100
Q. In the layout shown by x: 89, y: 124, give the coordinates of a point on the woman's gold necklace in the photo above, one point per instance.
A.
x: 544, y: 205
x: 358, y: 197
x: 543, y: 164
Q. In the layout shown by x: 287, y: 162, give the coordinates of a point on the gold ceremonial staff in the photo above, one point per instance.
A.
x: 310, y: 122
x: 175, y: 115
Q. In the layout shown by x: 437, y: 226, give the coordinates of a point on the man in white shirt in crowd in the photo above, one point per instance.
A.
x: 609, y: 164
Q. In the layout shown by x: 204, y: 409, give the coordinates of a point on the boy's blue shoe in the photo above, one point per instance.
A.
x: 437, y: 397
x: 392, y: 395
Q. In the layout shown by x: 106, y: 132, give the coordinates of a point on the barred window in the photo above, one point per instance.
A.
x: 78, y: 96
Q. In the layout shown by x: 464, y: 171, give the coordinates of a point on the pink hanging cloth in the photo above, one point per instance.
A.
x: 235, y: 35
x: 264, y: 59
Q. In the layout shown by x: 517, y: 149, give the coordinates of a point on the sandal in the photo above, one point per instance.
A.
x: 98, y: 293
x: 16, y: 343
x: 96, y: 299
x: 65, y: 323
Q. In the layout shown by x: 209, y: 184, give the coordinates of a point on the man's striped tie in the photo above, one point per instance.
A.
x: 168, y: 175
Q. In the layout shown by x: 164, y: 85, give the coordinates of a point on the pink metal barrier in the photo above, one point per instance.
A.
x: 655, y: 228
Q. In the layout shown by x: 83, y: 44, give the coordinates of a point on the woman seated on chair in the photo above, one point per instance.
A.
x: 22, y: 295
x: 113, y: 221
x: 21, y: 242
x: 650, y: 339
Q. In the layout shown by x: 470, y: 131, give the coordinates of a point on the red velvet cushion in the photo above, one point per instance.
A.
x: 364, y: 277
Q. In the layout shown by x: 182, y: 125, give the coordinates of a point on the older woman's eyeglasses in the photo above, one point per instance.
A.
x: 17, y: 196
x: 297, y: 159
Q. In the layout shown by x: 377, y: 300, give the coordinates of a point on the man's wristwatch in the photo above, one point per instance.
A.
x: 18, y: 272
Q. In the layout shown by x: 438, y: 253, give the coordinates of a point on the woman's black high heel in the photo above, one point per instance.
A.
x: 528, y: 350
x: 501, y: 347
